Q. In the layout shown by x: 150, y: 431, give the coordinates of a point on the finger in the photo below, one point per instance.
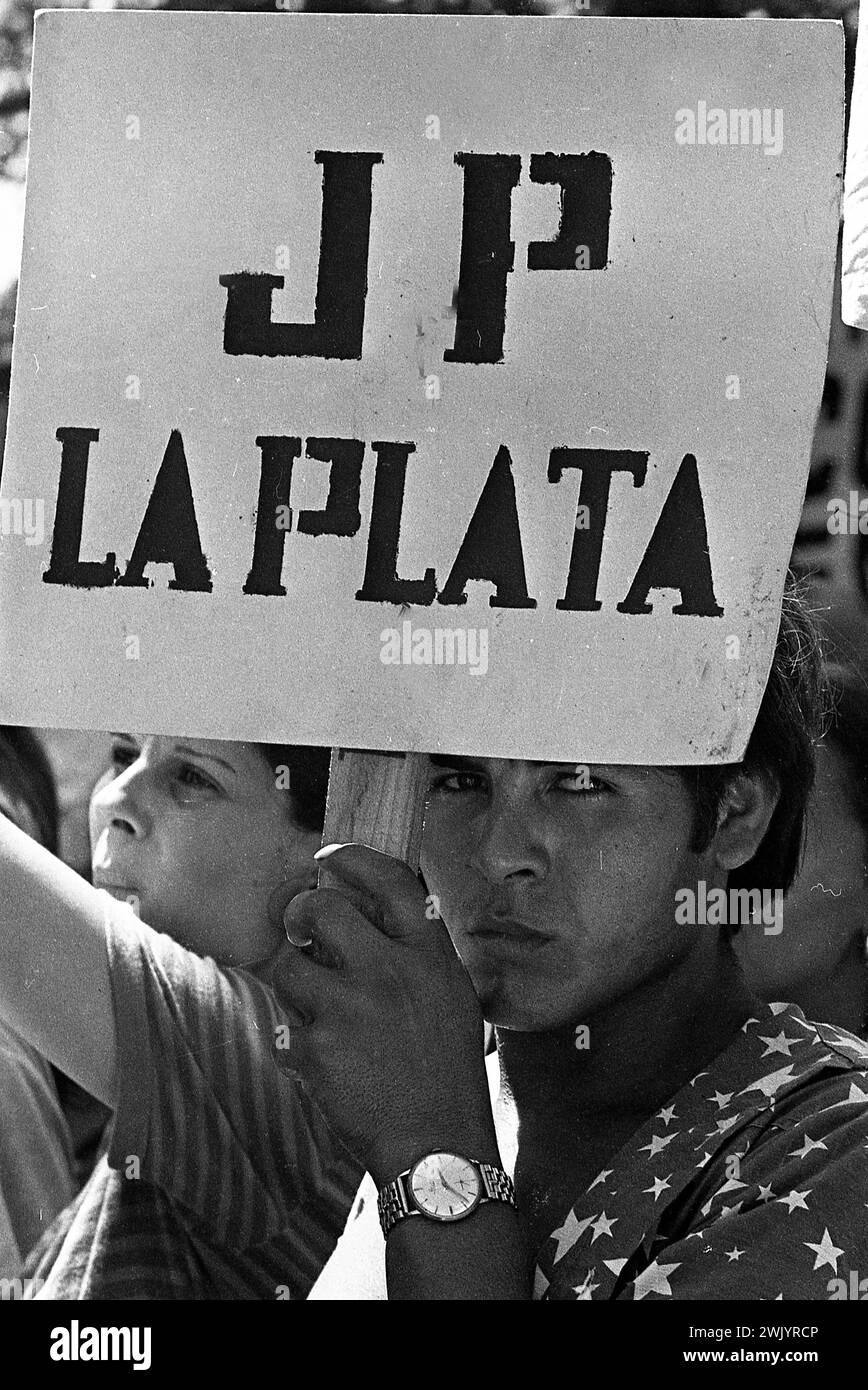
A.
x: 286, y: 890
x: 337, y: 932
x: 304, y: 988
x: 297, y: 919
x: 383, y: 888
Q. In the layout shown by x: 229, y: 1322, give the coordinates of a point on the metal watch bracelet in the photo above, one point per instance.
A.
x: 394, y: 1203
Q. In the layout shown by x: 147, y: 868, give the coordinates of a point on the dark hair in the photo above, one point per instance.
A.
x: 848, y: 731
x: 26, y: 773
x: 308, y: 778
x: 793, y: 716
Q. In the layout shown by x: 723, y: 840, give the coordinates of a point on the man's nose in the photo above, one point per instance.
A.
x: 507, y: 848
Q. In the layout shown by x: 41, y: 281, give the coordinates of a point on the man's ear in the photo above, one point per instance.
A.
x: 746, y: 809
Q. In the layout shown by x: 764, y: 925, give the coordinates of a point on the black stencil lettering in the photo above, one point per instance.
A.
x: 492, y: 547
x: 677, y: 555
x: 342, y: 278
x: 341, y: 515
x: 597, y: 467
x: 169, y: 533
x: 381, y: 583
x: 279, y: 452
x: 64, y: 566
x: 487, y: 256
x: 586, y: 210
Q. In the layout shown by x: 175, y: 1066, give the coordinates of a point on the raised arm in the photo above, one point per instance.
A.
x: 54, y: 980
x: 386, y: 1036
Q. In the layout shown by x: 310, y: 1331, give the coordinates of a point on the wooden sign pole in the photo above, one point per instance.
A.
x: 376, y: 799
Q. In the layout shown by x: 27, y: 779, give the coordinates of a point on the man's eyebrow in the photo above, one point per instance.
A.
x: 447, y: 760
x: 198, y: 753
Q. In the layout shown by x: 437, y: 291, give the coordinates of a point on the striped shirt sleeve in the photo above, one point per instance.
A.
x: 203, y: 1111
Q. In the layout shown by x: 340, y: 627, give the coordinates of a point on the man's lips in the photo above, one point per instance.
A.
x: 508, y: 931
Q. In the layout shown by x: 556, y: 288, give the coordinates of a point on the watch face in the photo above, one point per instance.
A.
x: 445, y: 1186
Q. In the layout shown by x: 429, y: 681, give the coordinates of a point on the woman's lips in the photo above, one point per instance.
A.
x: 120, y: 891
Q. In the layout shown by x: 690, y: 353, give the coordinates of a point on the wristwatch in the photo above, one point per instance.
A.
x: 443, y: 1187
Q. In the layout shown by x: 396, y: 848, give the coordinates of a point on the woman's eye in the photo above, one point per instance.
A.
x: 190, y: 776
x: 122, y: 756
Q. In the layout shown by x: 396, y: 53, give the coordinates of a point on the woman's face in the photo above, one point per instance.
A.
x: 196, y: 833
x: 826, y: 910
x: 20, y: 814
x: 560, y: 900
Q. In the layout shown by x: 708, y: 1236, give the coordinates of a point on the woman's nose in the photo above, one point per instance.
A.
x: 121, y: 805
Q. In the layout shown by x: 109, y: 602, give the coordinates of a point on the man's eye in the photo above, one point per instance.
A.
x: 580, y: 780
x: 457, y: 782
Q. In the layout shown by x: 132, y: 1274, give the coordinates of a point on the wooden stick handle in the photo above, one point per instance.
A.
x: 376, y: 799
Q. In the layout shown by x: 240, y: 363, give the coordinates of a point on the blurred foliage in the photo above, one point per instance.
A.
x: 16, y: 27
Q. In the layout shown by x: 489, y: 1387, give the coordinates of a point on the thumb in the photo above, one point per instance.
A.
x: 299, y: 881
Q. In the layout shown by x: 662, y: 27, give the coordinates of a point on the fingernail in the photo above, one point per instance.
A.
x: 326, y: 851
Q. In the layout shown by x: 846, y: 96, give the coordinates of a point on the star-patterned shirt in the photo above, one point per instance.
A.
x: 750, y: 1184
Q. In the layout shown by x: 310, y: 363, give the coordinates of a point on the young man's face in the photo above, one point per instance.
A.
x: 560, y: 900
x: 197, y: 832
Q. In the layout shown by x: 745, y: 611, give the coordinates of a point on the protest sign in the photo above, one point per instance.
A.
x: 416, y: 382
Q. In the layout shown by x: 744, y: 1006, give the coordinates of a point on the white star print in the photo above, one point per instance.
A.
x: 722, y: 1099
x: 730, y: 1211
x: 827, y: 1253
x: 567, y: 1235
x: 658, y: 1142
x: 730, y: 1185
x: 584, y: 1291
x: 654, y: 1279
x: 854, y: 1097
x: 722, y: 1127
x: 733, y: 1254
x: 779, y: 1007
x: 796, y: 1199
x: 615, y: 1266
x: 771, y: 1083
x: 603, y: 1226
x: 780, y: 1043
x: 601, y: 1177
x: 706, y: 1158
x: 667, y: 1114
x: 765, y: 1194
x: 660, y: 1185
x: 806, y: 1148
